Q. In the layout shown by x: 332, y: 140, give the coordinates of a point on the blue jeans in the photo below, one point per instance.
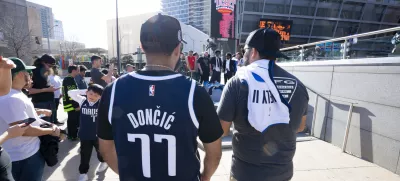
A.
x: 29, y: 169
x: 46, y: 105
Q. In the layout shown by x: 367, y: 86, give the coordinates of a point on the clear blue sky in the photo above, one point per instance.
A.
x: 86, y: 19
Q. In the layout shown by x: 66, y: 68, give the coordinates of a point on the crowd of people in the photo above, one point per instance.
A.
x: 144, y: 124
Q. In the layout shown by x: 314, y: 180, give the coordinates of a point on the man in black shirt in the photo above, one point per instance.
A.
x: 204, y: 67
x: 216, y: 67
x: 148, y: 121
x: 266, y: 155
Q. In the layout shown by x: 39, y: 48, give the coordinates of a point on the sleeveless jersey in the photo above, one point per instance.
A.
x: 87, y: 128
x: 155, y: 128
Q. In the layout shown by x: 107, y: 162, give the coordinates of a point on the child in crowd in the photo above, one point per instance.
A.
x: 87, y: 128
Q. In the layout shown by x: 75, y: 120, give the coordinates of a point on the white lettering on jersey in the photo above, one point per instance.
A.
x: 150, y: 117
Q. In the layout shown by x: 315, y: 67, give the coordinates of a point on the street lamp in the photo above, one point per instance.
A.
x: 48, y: 37
x: 119, y: 62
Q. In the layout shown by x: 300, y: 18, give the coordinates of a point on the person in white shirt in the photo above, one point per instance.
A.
x: 239, y: 58
x: 56, y: 82
x: 15, y: 107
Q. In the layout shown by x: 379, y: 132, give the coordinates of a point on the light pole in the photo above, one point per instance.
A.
x: 119, y: 62
x: 48, y: 37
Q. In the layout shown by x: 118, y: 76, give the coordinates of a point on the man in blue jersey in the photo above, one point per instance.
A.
x: 149, y: 120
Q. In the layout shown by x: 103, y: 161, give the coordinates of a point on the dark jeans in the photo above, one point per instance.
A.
x: 5, y: 167
x: 86, y: 153
x: 73, y: 124
x: 216, y: 76
x: 55, y: 109
x: 29, y: 169
x: 205, y: 77
x: 195, y: 76
x: 45, y: 105
x: 228, y: 76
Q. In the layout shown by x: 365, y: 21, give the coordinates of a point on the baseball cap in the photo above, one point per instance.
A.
x: 266, y: 41
x: 48, y: 59
x: 20, y: 65
x: 161, y: 33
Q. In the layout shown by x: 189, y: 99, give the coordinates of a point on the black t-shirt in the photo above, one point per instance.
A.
x: 209, y: 126
x: 204, y: 64
x: 41, y: 80
x: 263, y: 156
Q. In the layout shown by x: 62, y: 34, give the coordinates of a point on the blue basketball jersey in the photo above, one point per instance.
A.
x: 155, y: 128
x: 87, y: 128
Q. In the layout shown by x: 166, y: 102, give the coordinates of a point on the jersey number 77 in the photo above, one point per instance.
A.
x: 145, y: 140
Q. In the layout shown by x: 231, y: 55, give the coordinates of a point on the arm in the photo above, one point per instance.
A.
x: 12, y: 132
x: 302, y: 124
x: 76, y: 95
x: 226, y: 125
x: 210, y: 131
x: 5, y: 75
x: 104, y: 132
x: 107, y: 150
x: 227, y: 105
x: 38, y: 91
x: 201, y: 70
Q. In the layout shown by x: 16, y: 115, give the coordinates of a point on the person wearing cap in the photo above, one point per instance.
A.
x: 42, y: 92
x: 228, y: 67
x: 149, y: 121
x: 15, y: 107
x: 130, y: 68
x: 268, y: 106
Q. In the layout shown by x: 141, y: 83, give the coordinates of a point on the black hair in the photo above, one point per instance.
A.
x: 229, y: 54
x: 96, y: 88
x: 104, y: 71
x: 195, y: 54
x: 262, y: 56
x: 107, y: 66
x: 72, y: 68
x: 82, y: 68
x: 217, y: 52
x: 159, y: 48
x: 94, y: 58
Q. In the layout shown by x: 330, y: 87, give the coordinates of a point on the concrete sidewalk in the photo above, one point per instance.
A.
x: 315, y: 160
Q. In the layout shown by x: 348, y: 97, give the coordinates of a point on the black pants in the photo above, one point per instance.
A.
x: 73, y: 124
x: 228, y: 76
x: 55, y: 109
x: 205, y: 77
x: 216, y: 76
x: 5, y: 167
x: 86, y: 153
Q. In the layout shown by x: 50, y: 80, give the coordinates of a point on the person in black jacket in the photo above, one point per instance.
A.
x: 228, y: 67
x: 215, y: 67
x: 70, y: 106
x: 42, y: 91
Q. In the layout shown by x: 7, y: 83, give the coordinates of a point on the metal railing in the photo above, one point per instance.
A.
x: 349, y: 116
x: 345, y: 45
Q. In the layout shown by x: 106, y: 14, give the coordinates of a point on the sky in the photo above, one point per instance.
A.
x: 86, y: 20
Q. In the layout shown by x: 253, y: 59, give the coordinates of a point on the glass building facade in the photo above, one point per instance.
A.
x: 316, y: 20
x: 191, y: 12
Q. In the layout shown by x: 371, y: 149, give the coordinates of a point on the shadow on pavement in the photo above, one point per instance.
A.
x: 64, y: 149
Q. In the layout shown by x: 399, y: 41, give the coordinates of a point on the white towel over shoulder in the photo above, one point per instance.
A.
x: 264, y: 102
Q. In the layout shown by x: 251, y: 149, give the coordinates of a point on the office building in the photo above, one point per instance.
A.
x: 46, y: 18
x: 58, y: 30
x: 129, y: 33
x: 316, y: 20
x: 191, y: 12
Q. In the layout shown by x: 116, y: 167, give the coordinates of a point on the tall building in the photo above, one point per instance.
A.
x: 58, y: 30
x: 191, y: 12
x: 316, y: 20
x: 46, y: 24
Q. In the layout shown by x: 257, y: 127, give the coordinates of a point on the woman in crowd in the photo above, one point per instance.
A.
x: 42, y: 92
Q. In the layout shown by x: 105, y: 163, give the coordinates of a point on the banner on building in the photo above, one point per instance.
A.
x: 283, y: 27
x: 223, y: 19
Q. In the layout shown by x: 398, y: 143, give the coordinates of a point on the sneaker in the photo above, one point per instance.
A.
x: 83, y: 177
x: 102, y: 167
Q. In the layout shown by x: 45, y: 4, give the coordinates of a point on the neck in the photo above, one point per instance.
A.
x: 16, y: 87
x: 158, y: 63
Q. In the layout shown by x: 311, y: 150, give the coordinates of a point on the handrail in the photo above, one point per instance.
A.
x: 343, y: 38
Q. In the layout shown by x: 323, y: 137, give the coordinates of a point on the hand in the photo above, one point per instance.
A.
x: 51, y: 89
x: 77, y: 109
x: 203, y: 178
x: 56, y: 131
x: 17, y: 130
x: 6, y: 63
x: 46, y: 112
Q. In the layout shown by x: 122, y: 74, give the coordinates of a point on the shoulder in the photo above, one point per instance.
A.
x: 281, y: 76
x: 13, y: 99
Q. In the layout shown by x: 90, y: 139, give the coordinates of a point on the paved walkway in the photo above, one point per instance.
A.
x: 315, y: 160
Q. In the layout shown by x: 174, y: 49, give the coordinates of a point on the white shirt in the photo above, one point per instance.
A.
x: 76, y: 95
x: 227, y: 65
x: 56, y: 82
x: 14, y: 107
x: 217, y: 63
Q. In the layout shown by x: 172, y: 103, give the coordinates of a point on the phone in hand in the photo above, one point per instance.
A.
x: 29, y: 121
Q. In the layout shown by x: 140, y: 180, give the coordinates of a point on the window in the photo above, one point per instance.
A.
x: 301, y: 26
x: 1, y: 36
x: 373, y: 12
x: 329, y: 8
x: 351, y: 10
x: 323, y: 28
x: 346, y: 29
x: 304, y: 7
x: 392, y: 15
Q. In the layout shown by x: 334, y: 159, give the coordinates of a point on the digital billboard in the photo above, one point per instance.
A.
x: 223, y: 19
x: 283, y: 27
